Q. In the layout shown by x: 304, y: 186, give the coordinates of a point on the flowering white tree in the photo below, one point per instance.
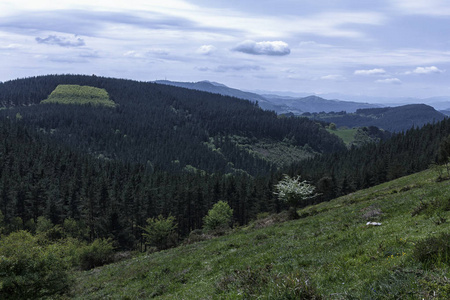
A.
x: 293, y: 191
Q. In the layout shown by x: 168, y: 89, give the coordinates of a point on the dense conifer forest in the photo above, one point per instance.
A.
x: 167, y: 150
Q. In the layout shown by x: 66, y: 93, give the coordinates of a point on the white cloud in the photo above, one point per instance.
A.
x: 333, y: 77
x: 274, y: 48
x: 370, y: 72
x: 11, y: 46
x: 422, y: 7
x: 147, y: 53
x: 206, y: 49
x: 426, y: 70
x: 389, y: 81
x: 133, y: 53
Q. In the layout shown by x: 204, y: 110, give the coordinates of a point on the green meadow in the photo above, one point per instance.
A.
x: 81, y: 95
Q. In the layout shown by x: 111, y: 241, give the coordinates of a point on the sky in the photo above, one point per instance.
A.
x: 383, y: 48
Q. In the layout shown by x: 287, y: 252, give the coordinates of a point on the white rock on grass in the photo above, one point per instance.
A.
x: 373, y: 223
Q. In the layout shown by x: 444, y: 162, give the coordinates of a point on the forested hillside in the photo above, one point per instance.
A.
x: 393, y: 119
x: 111, y: 198
x: 404, y: 153
x: 165, y: 127
x: 170, y: 151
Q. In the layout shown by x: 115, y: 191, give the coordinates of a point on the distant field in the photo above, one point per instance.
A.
x: 347, y: 135
x: 81, y: 95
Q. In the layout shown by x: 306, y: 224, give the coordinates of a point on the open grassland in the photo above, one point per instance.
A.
x: 347, y: 135
x: 329, y: 253
x: 81, y: 95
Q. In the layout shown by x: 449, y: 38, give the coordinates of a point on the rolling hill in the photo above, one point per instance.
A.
x: 163, y: 126
x: 331, y: 253
x: 393, y: 119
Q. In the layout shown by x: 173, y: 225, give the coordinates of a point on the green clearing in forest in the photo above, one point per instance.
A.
x: 81, y: 95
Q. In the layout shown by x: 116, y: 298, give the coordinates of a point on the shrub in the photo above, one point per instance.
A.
x: 160, y: 232
x: 30, y: 270
x: 433, y: 250
x: 218, y: 217
x: 97, y: 254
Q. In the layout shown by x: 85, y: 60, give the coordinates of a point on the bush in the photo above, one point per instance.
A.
x: 293, y: 191
x: 434, y: 250
x: 160, y: 232
x: 30, y: 270
x: 97, y: 254
x: 219, y: 217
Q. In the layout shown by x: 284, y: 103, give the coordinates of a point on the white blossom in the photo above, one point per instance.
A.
x: 292, y: 190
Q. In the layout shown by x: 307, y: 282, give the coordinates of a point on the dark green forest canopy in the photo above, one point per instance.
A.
x: 111, y: 169
x: 168, y: 127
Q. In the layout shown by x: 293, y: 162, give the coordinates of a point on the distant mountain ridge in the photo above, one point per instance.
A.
x: 314, y: 104
x: 218, y: 88
x: 279, y: 104
x: 394, y: 119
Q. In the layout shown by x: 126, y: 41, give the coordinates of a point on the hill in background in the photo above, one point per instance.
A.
x: 279, y: 104
x: 393, y: 119
x: 165, y: 127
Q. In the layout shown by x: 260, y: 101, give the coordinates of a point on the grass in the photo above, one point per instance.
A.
x: 329, y: 253
x: 80, y: 95
x: 347, y: 135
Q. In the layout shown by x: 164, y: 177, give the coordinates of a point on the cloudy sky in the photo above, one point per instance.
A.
x: 376, y: 48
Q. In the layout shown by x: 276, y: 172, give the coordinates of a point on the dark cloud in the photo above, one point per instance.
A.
x: 274, y: 48
x: 61, y: 41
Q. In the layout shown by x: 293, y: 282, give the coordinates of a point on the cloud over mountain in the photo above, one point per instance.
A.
x: 274, y: 48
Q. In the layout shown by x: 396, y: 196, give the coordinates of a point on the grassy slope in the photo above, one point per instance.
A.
x: 331, y: 245
x: 76, y: 94
x: 347, y: 135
